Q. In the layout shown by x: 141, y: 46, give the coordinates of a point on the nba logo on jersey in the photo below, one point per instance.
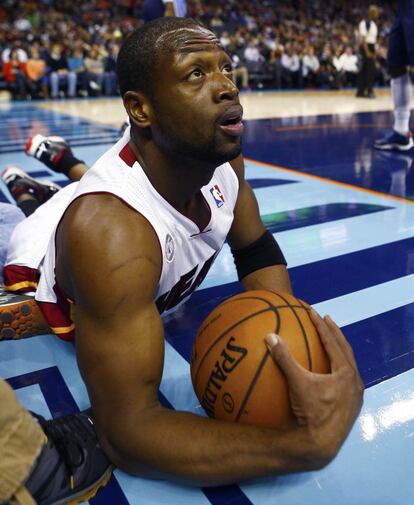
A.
x: 217, y: 195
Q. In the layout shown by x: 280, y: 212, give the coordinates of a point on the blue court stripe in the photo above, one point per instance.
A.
x: 57, y: 395
x: 267, y: 183
x: 219, y: 495
x: 314, y: 282
x: 60, y: 402
x: 318, y: 214
x: 37, y: 174
x: 384, y: 344
x: 344, y: 274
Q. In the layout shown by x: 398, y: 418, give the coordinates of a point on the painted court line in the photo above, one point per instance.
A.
x: 325, y: 241
x: 369, y: 302
x: 331, y: 181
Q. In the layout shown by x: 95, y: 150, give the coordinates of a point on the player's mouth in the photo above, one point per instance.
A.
x: 231, y: 121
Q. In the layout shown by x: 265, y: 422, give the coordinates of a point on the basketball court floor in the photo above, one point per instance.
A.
x: 344, y: 217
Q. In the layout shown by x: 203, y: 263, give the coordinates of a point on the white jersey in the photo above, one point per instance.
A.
x: 187, y: 251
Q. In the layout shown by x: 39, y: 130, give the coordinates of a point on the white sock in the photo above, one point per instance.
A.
x: 401, y: 95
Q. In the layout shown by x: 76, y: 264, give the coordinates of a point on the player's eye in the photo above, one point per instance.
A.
x: 227, y: 69
x: 195, y: 74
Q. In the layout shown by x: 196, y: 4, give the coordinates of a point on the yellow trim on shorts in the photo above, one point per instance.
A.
x: 63, y: 329
x: 20, y: 285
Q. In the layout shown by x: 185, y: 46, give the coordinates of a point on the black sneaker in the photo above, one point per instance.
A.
x: 19, y: 182
x: 72, y: 466
x: 20, y: 316
x: 394, y: 141
x: 48, y: 150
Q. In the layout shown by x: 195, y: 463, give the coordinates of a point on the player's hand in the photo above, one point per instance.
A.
x: 325, y: 405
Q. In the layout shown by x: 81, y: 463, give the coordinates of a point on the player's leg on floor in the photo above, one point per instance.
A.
x: 57, y: 155
x: 27, y: 191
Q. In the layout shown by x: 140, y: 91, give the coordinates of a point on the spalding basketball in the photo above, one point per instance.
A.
x: 233, y: 373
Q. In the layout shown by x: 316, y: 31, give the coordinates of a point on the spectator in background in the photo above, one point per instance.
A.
x: 111, y: 79
x: 14, y: 73
x: 310, y: 67
x: 240, y: 71
x: 36, y: 74
x: 275, y: 65
x: 291, y: 68
x: 348, y: 67
x: 76, y: 64
x: 95, y: 70
x: 368, y: 32
x: 153, y: 9
x: 59, y: 74
x: 225, y: 40
x: 21, y: 53
x: 329, y: 73
x: 252, y: 54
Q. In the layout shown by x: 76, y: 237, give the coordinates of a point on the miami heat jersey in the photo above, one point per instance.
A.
x: 187, y: 251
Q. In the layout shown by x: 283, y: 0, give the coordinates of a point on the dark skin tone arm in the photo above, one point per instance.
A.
x: 120, y: 349
x: 248, y: 227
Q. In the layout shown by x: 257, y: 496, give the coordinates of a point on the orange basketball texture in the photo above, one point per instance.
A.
x: 233, y: 373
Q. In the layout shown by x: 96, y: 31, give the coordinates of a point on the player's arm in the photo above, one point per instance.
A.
x: 253, y: 247
x: 169, y: 8
x: 110, y: 261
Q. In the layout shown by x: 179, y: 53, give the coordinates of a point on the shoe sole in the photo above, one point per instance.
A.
x: 88, y: 493
x: 20, y: 317
x: 395, y: 147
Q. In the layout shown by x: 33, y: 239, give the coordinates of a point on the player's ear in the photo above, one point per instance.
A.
x: 138, y: 108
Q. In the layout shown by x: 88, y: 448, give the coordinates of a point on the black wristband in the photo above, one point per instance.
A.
x: 264, y: 252
x: 66, y: 162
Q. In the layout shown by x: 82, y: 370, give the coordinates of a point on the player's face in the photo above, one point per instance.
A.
x: 196, y: 103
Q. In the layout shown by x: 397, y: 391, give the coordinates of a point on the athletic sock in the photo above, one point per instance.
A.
x: 401, y: 94
x: 66, y: 162
x: 29, y: 206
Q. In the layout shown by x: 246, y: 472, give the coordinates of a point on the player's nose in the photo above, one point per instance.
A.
x: 225, y: 88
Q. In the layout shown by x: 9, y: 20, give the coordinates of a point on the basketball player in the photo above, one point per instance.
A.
x: 138, y: 234
x: 400, y: 57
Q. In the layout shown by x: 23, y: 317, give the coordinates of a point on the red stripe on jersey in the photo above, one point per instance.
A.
x: 127, y: 154
x: 21, y: 279
x: 59, y: 315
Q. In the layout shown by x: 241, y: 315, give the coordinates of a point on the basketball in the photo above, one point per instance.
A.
x: 233, y: 373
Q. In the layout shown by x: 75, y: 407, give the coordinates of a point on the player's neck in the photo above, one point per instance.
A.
x: 176, y: 180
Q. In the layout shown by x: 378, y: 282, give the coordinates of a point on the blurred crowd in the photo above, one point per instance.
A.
x: 56, y: 48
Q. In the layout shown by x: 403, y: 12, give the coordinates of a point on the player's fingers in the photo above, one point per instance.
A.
x: 342, y: 341
x: 284, y: 359
x: 334, y: 351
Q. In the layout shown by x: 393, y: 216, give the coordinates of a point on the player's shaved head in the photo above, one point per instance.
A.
x: 142, y: 50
